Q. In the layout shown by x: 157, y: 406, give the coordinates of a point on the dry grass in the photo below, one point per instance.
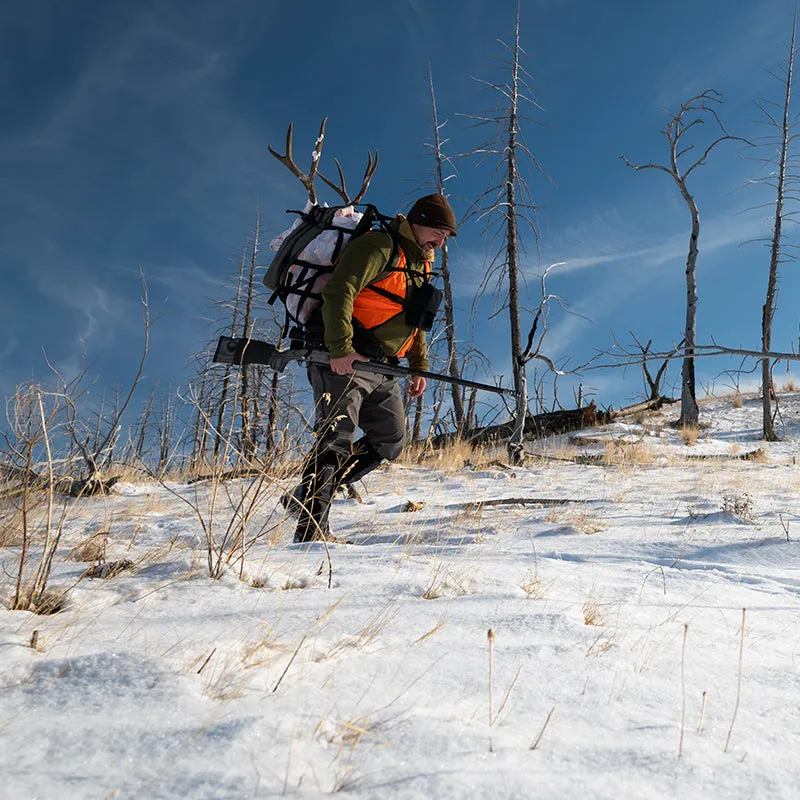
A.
x: 620, y: 453
x: 737, y: 401
x: 688, y: 435
x: 789, y: 385
x: 454, y: 457
x: 591, y: 614
x: 368, y: 634
x: 51, y: 601
x: 11, y: 528
x: 91, y: 549
x: 533, y: 586
x: 559, y: 452
x: 225, y: 682
x: 580, y: 521
x: 444, y: 581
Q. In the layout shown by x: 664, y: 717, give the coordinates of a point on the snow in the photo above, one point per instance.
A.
x: 163, y: 682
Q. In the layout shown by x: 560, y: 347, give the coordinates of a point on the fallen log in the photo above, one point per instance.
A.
x: 537, y: 426
x: 750, y: 455
x: 539, y: 502
x: 227, y: 475
x: 72, y: 487
x: 653, y: 404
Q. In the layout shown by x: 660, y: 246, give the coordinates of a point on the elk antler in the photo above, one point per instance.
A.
x: 307, y: 180
x: 341, y: 187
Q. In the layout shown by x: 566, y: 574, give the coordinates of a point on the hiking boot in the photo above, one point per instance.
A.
x: 320, y: 536
x: 292, y: 501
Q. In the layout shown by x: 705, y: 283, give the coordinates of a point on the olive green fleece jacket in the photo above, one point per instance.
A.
x: 362, y: 262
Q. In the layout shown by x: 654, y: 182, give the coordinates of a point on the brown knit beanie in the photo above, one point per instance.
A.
x: 433, y: 211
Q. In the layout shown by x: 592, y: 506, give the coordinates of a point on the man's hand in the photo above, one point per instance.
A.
x: 344, y: 365
x: 417, y: 386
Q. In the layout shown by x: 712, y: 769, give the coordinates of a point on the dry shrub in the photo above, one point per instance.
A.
x: 619, y: 453
x: 560, y: 452
x: 454, y: 456
x: 444, y: 581
x: 688, y: 434
x: 92, y: 549
x: 789, y: 386
x: 737, y: 401
x: 591, y: 614
x: 578, y: 520
x: 738, y: 504
x: 50, y: 601
x: 11, y: 529
x: 759, y: 456
x: 533, y: 586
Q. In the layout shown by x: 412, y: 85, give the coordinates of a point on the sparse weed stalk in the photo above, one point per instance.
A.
x: 532, y: 586
x: 226, y: 512
x: 581, y: 521
x: 621, y: 453
x: 92, y: 549
x: 444, y: 581
x: 35, y: 420
x: 591, y: 613
x: 226, y: 681
x: 368, y: 634
x: 453, y: 457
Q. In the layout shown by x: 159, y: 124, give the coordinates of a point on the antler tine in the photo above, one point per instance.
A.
x: 372, y: 165
x: 307, y: 181
x: 317, y: 152
x: 341, y: 189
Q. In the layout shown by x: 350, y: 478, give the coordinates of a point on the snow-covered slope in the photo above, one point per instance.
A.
x: 618, y: 648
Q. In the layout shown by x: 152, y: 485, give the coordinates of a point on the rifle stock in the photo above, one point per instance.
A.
x: 239, y: 352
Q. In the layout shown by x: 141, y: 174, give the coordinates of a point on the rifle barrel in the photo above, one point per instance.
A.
x: 252, y: 351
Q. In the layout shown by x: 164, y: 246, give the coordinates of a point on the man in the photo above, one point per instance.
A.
x: 370, y: 310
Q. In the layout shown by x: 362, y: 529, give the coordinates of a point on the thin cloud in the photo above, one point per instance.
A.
x: 734, y: 57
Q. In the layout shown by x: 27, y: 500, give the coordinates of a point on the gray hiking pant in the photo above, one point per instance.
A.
x: 361, y: 400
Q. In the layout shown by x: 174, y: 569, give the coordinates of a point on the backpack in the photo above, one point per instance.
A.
x: 306, y: 255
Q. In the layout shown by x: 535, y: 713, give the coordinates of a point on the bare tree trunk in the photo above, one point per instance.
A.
x: 166, y: 432
x: 246, y: 400
x: 690, y: 413
x: 142, y: 438
x: 516, y: 451
x: 511, y: 202
x: 225, y: 383
x: 770, y: 303
x: 449, y: 315
x: 419, y: 410
x: 272, y: 416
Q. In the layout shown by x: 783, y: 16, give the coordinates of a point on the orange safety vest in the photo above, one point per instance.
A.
x: 372, y: 308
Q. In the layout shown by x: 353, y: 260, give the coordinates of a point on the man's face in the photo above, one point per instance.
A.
x: 429, y: 238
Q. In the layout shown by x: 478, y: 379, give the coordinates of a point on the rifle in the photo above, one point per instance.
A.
x: 252, y: 351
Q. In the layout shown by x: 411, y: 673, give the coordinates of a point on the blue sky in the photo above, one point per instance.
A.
x: 133, y: 136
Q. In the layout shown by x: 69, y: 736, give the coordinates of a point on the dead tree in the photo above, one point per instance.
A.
x: 456, y: 392
x: 248, y: 396
x: 783, y: 182
x: 693, y: 113
x: 509, y: 204
x: 653, y: 384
